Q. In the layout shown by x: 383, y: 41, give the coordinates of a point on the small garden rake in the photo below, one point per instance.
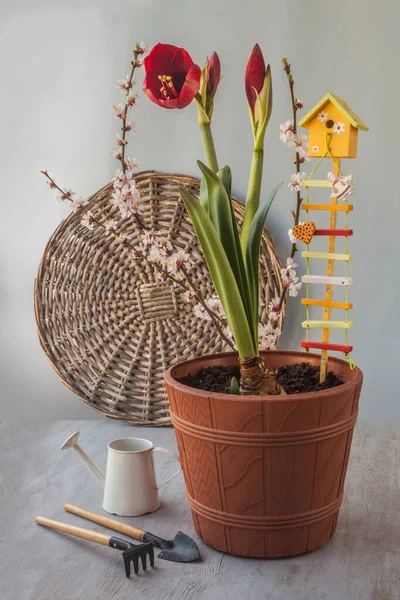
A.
x: 130, y: 552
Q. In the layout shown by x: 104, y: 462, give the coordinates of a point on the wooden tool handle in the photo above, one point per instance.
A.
x: 93, y: 536
x: 106, y: 521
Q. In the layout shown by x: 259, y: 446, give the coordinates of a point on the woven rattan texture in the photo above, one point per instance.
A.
x: 107, y: 324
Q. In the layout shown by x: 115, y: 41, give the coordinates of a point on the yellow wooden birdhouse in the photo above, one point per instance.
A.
x: 332, y: 125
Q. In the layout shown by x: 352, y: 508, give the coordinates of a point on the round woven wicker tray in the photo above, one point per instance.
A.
x: 108, y: 325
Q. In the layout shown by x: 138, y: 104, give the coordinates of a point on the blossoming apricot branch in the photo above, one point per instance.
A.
x: 154, y: 250
x: 288, y: 134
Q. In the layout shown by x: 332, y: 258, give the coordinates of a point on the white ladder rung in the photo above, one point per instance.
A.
x: 326, y: 280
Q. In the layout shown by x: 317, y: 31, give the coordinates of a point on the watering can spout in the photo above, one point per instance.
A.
x: 72, y: 442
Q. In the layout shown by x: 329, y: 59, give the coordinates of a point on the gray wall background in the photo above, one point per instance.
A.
x: 60, y: 61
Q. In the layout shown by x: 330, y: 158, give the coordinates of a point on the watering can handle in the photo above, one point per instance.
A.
x: 166, y: 451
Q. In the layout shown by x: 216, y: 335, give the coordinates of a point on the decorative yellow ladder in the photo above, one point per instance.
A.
x: 329, y: 279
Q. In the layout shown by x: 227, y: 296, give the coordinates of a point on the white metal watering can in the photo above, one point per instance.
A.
x: 130, y: 487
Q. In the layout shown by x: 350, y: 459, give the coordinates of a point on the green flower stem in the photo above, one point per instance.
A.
x: 208, y: 146
x: 253, y: 195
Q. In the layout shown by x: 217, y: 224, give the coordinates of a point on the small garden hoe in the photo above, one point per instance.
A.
x: 130, y: 552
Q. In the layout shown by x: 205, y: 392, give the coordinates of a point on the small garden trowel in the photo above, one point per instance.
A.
x: 180, y: 549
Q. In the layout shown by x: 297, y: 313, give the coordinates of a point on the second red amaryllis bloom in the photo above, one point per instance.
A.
x: 172, y: 78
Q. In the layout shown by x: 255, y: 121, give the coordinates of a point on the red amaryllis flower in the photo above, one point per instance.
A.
x: 172, y: 79
x: 255, y: 75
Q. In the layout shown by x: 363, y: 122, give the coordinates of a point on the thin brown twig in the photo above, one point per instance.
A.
x: 296, y: 215
x: 127, y: 92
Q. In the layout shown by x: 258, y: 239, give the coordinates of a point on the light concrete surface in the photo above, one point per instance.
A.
x: 61, y: 60
x: 362, y: 561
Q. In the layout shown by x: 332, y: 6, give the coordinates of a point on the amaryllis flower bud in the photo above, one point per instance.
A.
x: 172, y: 79
x: 254, y: 75
x: 213, y: 74
x: 258, y: 91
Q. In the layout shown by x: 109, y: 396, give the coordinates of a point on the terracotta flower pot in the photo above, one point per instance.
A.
x: 264, y: 474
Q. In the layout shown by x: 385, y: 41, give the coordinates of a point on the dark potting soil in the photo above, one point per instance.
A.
x: 295, y: 379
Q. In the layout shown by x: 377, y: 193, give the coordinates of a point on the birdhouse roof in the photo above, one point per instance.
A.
x: 340, y: 105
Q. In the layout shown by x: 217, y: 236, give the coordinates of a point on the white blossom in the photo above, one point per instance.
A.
x: 189, y: 296
x: 215, y: 304
x: 274, y: 308
x: 122, y: 238
x: 201, y: 313
x: 119, y: 110
x: 267, y: 336
x: 298, y: 142
x: 290, y: 234
x: 124, y: 84
x: 110, y: 226
x: 116, y: 152
x: 87, y: 220
x: 130, y: 125
x: 286, y: 131
x: 296, y: 180
x: 131, y: 99
x: 294, y: 287
x: 130, y: 163
x: 120, y: 140
x: 289, y: 270
x: 142, y: 48
x: 79, y: 202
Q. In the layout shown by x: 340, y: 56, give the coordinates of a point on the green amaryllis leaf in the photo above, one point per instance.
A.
x: 221, y: 274
x: 235, y: 389
x: 253, y: 257
x: 225, y: 176
x: 223, y: 219
x: 203, y: 197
